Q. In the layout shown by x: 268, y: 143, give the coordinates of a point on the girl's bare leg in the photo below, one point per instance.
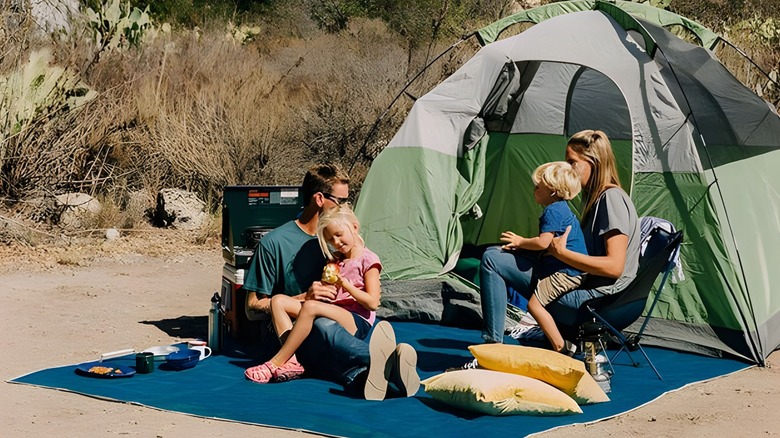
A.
x: 310, y: 310
x: 283, y: 309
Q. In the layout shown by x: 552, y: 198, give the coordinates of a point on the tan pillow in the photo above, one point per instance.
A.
x: 497, y: 393
x: 567, y: 374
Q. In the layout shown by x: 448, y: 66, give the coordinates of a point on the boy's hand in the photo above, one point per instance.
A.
x: 511, y: 240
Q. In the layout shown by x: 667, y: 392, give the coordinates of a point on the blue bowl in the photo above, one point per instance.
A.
x: 183, y: 359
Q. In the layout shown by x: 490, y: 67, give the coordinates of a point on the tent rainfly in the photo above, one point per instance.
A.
x: 694, y: 146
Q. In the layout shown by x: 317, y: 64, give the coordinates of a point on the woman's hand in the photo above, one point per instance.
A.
x: 511, y: 240
x: 558, y: 245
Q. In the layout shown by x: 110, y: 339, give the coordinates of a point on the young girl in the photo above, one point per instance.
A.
x: 353, y: 306
x: 555, y: 183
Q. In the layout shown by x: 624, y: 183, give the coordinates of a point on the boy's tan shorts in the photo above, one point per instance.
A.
x: 557, y: 284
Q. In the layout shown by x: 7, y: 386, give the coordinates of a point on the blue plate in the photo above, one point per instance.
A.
x: 104, y: 370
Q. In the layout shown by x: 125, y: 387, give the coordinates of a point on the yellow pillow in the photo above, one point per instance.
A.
x: 567, y: 374
x: 497, y: 393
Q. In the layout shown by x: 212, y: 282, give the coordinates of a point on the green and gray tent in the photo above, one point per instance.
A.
x: 694, y: 146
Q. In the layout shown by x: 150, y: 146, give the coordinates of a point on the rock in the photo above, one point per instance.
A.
x: 75, y: 208
x: 180, y: 209
x: 53, y: 15
x: 112, y: 234
x: 516, y: 6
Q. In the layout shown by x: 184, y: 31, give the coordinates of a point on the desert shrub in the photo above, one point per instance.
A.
x: 254, y: 94
x: 749, y: 24
x: 204, y: 13
x: 207, y: 119
x: 40, y: 136
x: 226, y: 113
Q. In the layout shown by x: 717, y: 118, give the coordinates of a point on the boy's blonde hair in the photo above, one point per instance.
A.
x: 342, y: 215
x: 559, y: 177
x: 595, y: 148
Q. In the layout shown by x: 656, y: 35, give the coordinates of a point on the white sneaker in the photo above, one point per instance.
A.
x: 517, y: 331
x: 470, y: 365
x: 381, y: 346
x: 404, y: 374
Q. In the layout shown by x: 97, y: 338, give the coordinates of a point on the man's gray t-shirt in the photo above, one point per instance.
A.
x: 613, y: 211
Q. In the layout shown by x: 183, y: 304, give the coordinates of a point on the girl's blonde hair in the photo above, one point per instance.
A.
x: 595, y: 148
x: 342, y: 215
x: 559, y: 177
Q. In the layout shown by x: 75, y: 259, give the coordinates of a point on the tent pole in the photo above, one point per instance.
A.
x: 750, y: 60
x: 756, y: 348
x: 401, y: 93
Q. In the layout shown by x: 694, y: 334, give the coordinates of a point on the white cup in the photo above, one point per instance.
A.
x: 205, y: 351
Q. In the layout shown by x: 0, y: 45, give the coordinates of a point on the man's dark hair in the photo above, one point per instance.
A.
x: 321, y: 178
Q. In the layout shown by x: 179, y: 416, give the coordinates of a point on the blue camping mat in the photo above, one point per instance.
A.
x: 216, y: 388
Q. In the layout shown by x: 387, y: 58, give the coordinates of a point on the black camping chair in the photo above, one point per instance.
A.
x: 618, y: 311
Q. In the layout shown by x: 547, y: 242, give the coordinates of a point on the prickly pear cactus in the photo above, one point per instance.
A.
x: 38, y: 89
x: 116, y: 24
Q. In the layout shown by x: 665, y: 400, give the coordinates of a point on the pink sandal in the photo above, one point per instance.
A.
x: 290, y: 370
x: 268, y: 372
x: 262, y: 373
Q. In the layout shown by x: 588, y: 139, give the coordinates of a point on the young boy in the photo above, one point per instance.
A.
x: 555, y: 183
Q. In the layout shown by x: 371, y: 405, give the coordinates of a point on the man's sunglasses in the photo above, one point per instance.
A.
x: 336, y: 199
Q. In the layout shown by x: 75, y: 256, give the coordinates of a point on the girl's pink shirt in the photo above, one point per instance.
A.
x: 355, y: 270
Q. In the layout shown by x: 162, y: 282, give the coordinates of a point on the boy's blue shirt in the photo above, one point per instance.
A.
x: 554, y: 219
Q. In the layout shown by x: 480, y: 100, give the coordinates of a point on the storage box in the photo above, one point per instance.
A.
x: 235, y: 322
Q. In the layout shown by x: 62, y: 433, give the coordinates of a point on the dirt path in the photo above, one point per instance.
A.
x: 67, y: 305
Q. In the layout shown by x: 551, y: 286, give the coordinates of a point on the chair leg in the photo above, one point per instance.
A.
x: 622, y: 348
x: 650, y: 362
x: 634, y: 362
x: 623, y: 341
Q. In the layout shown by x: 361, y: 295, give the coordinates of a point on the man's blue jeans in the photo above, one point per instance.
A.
x: 331, y: 353
x: 501, y: 269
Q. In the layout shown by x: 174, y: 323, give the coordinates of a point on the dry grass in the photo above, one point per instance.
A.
x: 196, y: 109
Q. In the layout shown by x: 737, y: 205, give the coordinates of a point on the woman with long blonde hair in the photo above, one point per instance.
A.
x: 611, y: 230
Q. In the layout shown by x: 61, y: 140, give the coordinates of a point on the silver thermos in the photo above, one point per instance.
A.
x: 214, y: 323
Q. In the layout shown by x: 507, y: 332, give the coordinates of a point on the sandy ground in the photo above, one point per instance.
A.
x: 64, y: 305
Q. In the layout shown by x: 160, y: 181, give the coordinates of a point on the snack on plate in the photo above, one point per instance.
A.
x: 330, y: 273
x: 100, y: 370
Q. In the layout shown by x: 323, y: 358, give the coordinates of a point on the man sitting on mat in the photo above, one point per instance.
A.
x: 289, y: 261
